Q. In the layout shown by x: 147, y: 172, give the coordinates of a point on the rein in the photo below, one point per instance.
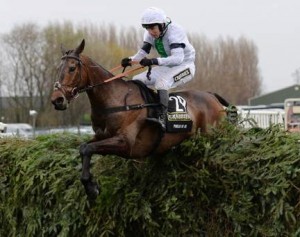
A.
x: 123, y: 107
x: 115, y: 68
x: 120, y: 75
x: 76, y: 92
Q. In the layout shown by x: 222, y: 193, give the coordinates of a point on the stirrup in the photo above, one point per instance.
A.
x: 158, y: 121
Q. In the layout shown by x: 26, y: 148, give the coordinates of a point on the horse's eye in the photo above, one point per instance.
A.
x: 72, y: 69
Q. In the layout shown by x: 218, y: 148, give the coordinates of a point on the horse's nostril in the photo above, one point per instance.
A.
x: 59, y: 100
x: 59, y: 103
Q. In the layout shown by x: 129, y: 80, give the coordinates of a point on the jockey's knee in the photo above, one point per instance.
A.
x: 162, y: 85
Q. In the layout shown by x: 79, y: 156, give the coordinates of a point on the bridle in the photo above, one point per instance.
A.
x: 62, y: 87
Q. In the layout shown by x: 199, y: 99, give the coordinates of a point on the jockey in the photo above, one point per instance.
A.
x: 176, y: 61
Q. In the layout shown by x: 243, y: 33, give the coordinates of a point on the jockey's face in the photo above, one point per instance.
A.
x: 154, y: 31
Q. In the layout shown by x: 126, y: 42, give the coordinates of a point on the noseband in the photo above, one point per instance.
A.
x: 62, y: 87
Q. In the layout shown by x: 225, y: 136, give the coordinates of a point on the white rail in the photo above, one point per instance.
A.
x: 261, y: 118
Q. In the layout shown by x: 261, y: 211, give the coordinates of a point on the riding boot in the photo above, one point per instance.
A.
x: 163, y: 96
x: 162, y: 114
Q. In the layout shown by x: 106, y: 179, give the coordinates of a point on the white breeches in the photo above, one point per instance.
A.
x: 165, y: 78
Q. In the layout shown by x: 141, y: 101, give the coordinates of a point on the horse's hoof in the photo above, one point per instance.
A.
x: 92, y: 196
x: 92, y: 191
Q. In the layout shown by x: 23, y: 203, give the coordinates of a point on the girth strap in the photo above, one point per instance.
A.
x: 127, y: 108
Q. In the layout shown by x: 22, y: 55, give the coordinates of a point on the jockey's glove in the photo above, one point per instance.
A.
x: 148, y: 62
x: 126, y: 62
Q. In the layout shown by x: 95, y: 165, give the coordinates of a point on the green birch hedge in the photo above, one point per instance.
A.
x: 230, y: 183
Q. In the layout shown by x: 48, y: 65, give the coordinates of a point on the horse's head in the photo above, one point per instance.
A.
x: 71, y: 77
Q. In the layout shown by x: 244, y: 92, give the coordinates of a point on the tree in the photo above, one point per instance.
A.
x: 2, y: 89
x: 296, y: 76
x: 23, y: 50
x: 31, y: 56
x: 227, y: 67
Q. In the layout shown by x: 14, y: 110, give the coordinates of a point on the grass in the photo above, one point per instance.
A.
x: 231, y: 183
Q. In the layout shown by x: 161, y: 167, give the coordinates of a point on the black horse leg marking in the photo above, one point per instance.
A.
x: 115, y: 145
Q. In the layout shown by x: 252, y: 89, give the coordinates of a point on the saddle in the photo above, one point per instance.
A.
x: 178, y: 119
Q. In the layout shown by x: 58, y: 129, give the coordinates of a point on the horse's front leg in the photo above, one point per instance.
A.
x: 90, y: 186
x: 114, y: 145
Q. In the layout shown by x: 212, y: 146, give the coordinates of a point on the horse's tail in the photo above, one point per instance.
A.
x: 221, y: 99
x: 231, y: 110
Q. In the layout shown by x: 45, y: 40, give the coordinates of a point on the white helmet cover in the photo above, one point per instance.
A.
x: 153, y: 15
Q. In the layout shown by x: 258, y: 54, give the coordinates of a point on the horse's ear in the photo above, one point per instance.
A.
x: 63, y: 49
x: 80, y: 48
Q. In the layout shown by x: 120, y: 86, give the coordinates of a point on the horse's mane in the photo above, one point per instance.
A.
x: 87, y: 58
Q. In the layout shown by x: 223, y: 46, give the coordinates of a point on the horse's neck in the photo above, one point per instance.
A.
x: 104, y: 94
x: 96, y: 73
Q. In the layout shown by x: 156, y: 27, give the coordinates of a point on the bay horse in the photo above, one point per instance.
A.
x: 119, y: 113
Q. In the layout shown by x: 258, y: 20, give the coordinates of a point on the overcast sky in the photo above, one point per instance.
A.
x: 273, y: 25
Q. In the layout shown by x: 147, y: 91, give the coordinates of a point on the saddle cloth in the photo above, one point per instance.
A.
x: 178, y: 119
